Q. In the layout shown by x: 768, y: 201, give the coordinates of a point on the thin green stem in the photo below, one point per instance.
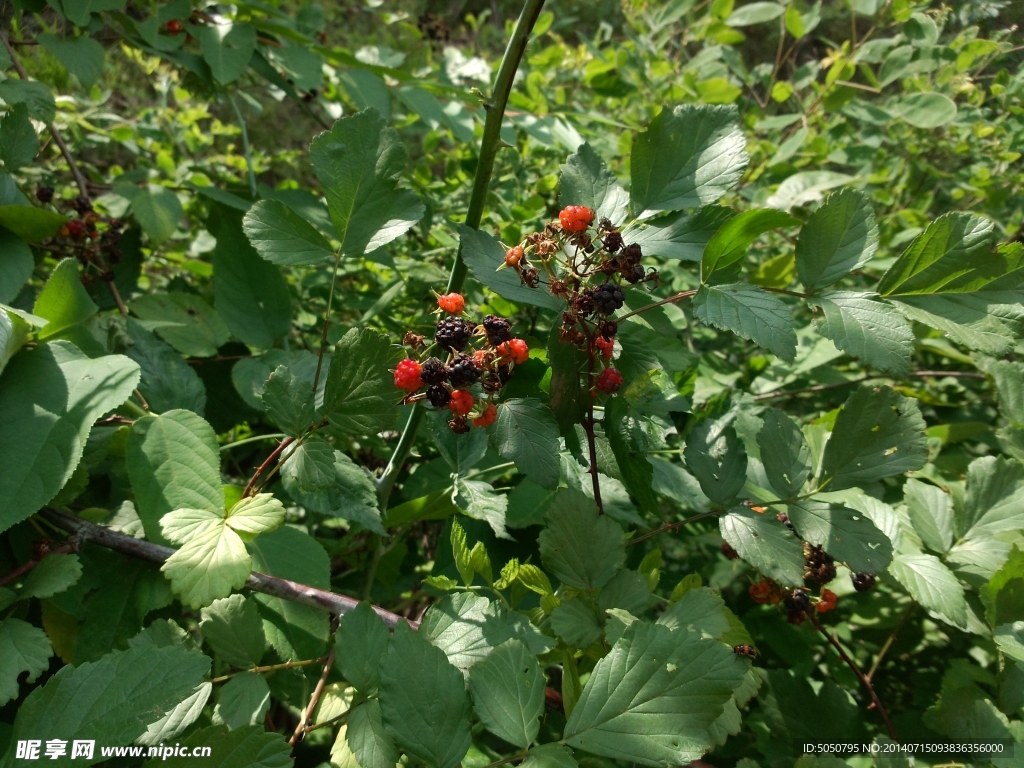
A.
x: 245, y: 147
x: 248, y: 440
x: 270, y: 668
x: 327, y: 323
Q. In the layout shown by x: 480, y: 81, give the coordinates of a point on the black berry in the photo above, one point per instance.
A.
x: 453, y: 333
x: 438, y: 395
x: 635, y: 274
x: 498, y: 329
x: 459, y: 425
x: 463, y: 372
x: 608, y: 297
x: 631, y: 255
x: 44, y: 194
x: 818, y: 565
x: 863, y: 582
x: 612, y: 242
x: 433, y: 371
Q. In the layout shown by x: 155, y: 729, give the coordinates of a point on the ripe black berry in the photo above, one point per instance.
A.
x: 608, y: 297
x: 44, y: 194
x: 463, y: 372
x: 631, y: 255
x: 81, y: 205
x: 433, y: 371
x: 438, y: 395
x: 612, y: 242
x: 818, y: 565
x: 498, y: 329
x: 863, y: 582
x: 797, y: 605
x: 783, y: 518
x: 608, y: 329
x: 635, y: 274
x: 453, y: 333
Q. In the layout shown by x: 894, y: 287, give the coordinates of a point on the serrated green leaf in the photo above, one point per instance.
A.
x: 638, y: 705
x: 233, y: 628
x: 351, y: 496
x: 579, y: 547
x: 50, y: 397
x: 1006, y: 376
x: 15, y: 269
x: 839, y: 237
x: 81, y: 56
x: 227, y: 48
x: 586, y: 180
x: 627, y: 591
x: 246, y: 747
x: 289, y: 401
x: 368, y: 739
x: 310, y: 467
x: 865, y: 327
x: 994, y: 502
x: 33, y: 94
x: 156, y: 208
x: 243, y: 700
x: 19, y: 143
x: 174, y: 463
x: 931, y: 512
x: 526, y: 433
x: 987, y: 321
x: 358, y: 163
x: 53, y: 575
x: 508, y: 693
x: 765, y: 544
x: 167, y: 381
x: 575, y: 623
x: 360, y: 643
x: 461, y: 452
x: 549, y: 756
x: 173, y: 724
x: 184, y: 321
x: 698, y: 610
x: 749, y: 312
x: 1010, y: 640
x: 681, y: 235
x: 23, y: 648
x: 754, y: 13
x: 63, y: 301
x: 717, y: 458
x: 461, y: 554
x: 878, y: 433
x: 723, y: 256
x: 689, y: 156
x: 931, y: 584
x: 784, y: 453
x: 283, y: 237
x: 479, y: 500
x: 467, y: 627
x: 14, y: 332
x: 483, y: 254
x: 360, y: 395
x: 845, y: 534
x: 926, y: 110
x: 630, y: 443
x: 212, y: 561
x: 424, y: 701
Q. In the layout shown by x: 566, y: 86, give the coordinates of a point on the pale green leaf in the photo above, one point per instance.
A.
x: 233, y: 628
x: 931, y: 584
x: 579, y: 547
x: 586, y: 180
x: 867, y: 328
x: 994, y: 503
x: 360, y: 642
x: 63, y: 301
x: 526, y: 433
x: 174, y: 723
x: 361, y: 397
x: 755, y: 13
x: 839, y: 237
x: 479, y: 500
x: 845, y: 534
x: 698, y: 610
x: 926, y: 110
x: 749, y: 312
x: 283, y: 237
x: 254, y: 515
x: 766, y: 544
x: 212, y: 561
x: 243, y: 700
x: 14, y: 332
x: 466, y: 626
x: 805, y: 187
x: 23, y: 648
x: 1010, y: 639
x: 508, y: 693
x: 931, y: 512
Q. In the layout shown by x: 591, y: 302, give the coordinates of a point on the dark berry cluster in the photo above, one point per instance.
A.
x: 88, y: 236
x: 819, y: 566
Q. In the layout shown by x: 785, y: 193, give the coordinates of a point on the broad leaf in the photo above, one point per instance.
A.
x: 527, y: 434
x: 368, y: 738
x: 586, y: 180
x: 723, y: 256
x: 839, y: 237
x: 717, y: 458
x: 878, y: 433
x: 424, y: 701
x: 1006, y: 376
x: 749, y: 312
x: 784, y: 453
x: 483, y: 255
x: 460, y: 452
x: 310, y: 467
x: 243, y: 700
x: 227, y: 48
x: 23, y: 648
x: 358, y: 163
x: 552, y: 755
x: 15, y: 267
x: 360, y: 642
x: 754, y: 13
x: 156, y: 208
x: 931, y: 512
x: 689, y: 156
x: 81, y: 56
x: 54, y: 574
x: 233, y: 628
x: 289, y: 401
x: 36, y: 96
x: 766, y: 544
x: 283, y: 237
x: 360, y: 396
x: 49, y: 398
x: 681, y: 235
x: 184, y: 321
x: 845, y: 534
x: 698, y: 610
x: 467, y: 627
x: 579, y: 547
x: 350, y: 494
x: 479, y: 500
x: 508, y: 693
x: 931, y: 584
x: 64, y: 302
x: 926, y: 110
x: 19, y: 143
x: 576, y: 623
x: 29, y: 223
x: 174, y: 463
x: 167, y: 381
x: 639, y: 704
x: 630, y: 441
x: 1010, y: 640
x: 246, y: 747
x: 865, y: 327
x: 994, y: 503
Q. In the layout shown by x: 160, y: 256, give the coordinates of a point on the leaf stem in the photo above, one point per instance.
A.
x: 300, y: 729
x: 27, y: 566
x: 263, y: 467
x: 269, y: 668
x: 677, y: 297
x: 890, y: 640
x: 258, y: 438
x: 327, y: 323
x: 669, y: 527
x: 245, y: 147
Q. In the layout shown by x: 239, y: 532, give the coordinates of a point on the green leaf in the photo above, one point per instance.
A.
x: 53, y: 575
x: 527, y: 434
x: 63, y: 300
x: 805, y: 187
x: 49, y: 398
x: 183, y: 320
x: 479, y: 500
x: 19, y: 143
x: 14, y: 332
x: 16, y: 266
x: 156, y: 208
x: 931, y: 512
x: 310, y: 467
x: 368, y: 738
x: 167, y: 381
x: 246, y: 747
x: 865, y: 327
x: 641, y: 701
x: 578, y: 546
x: 926, y: 110
x: 575, y: 623
x: 723, y: 256
x: 23, y: 648
x: 1010, y: 640
x: 295, y: 631
x: 467, y: 627
x: 931, y: 584
x: 111, y: 700
x: 994, y: 502
x: 1006, y: 376
x: 252, y: 296
x: 508, y: 693
x: 877, y: 434
x: 243, y: 700
x: 784, y: 453
x: 681, y: 235
x: 174, y: 463
x: 424, y: 701
x: 29, y: 223
x: 233, y: 628
x: 358, y: 163
x: 689, y: 156
x: 360, y: 397
x: 839, y: 237
x: 749, y: 312
x: 987, y: 321
x: 552, y: 755
x: 289, y: 401
x: 33, y: 94
x: 227, y: 48
x: 360, y: 643
x: 81, y: 56
x: 698, y: 610
x: 460, y: 452
x: 351, y: 496
x: 765, y: 544
x: 461, y: 554
x: 717, y: 458
x: 754, y: 13
x: 283, y: 237
x: 630, y: 442
x: 586, y: 180
x: 483, y: 255
x: 845, y: 534
x: 79, y: 12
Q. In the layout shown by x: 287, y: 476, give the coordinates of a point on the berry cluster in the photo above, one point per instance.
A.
x: 81, y: 238
x: 464, y: 379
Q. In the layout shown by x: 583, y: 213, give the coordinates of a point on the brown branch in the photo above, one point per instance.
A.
x: 891, y: 639
x: 291, y: 591
x: 270, y: 668
x: 870, y: 377
x: 860, y: 676
x: 677, y: 297
x: 24, y: 568
x: 668, y: 527
x: 263, y: 467
x: 313, y: 700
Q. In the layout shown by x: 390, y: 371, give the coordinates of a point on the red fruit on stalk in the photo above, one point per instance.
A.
x: 605, y: 345
x: 575, y: 218
x: 76, y: 228
x: 827, y: 601
x: 514, y: 255
x: 515, y: 350
x: 407, y: 375
x: 452, y: 303
x: 461, y: 402
x: 488, y: 417
x: 609, y: 381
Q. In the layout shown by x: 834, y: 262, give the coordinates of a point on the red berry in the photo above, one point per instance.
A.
x: 516, y: 349
x: 461, y: 402
x: 575, y: 218
x: 174, y: 27
x: 514, y: 256
x: 827, y: 601
x: 76, y: 228
x: 488, y: 417
x: 606, y: 346
x: 452, y: 303
x: 609, y: 381
x: 407, y: 376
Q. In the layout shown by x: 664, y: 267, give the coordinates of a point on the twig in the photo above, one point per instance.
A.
x: 257, y: 582
x: 591, y: 437
x: 313, y: 700
x: 677, y: 297
x: 870, y: 377
x: 25, y: 567
x: 263, y: 467
x: 246, y: 148
x: 860, y: 676
x: 327, y: 323
x: 269, y: 668
x: 669, y: 527
x: 888, y: 643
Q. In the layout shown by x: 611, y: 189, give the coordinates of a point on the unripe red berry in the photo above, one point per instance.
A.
x: 606, y: 346
x: 407, y: 375
x: 827, y: 601
x: 452, y: 303
x: 488, y: 417
x: 609, y: 381
x: 174, y: 27
x: 461, y: 402
x: 76, y: 228
x: 514, y: 255
x: 575, y: 218
x: 515, y: 350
